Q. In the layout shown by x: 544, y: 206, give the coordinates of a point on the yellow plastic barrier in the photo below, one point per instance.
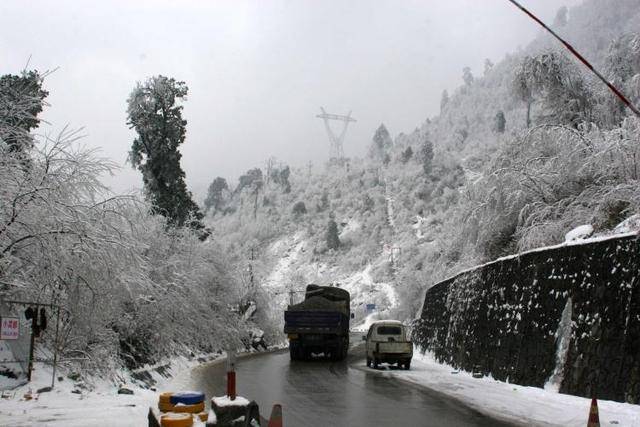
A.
x: 176, y: 420
x: 191, y: 409
x: 165, y: 397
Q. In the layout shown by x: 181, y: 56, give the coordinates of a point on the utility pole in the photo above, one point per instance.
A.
x: 251, y: 259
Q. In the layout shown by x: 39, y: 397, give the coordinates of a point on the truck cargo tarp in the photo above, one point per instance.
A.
x: 320, y: 303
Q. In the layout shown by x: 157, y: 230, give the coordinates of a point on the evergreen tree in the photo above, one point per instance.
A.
x: 21, y: 100
x: 324, y: 202
x: 467, y: 76
x: 426, y: 154
x: 406, y: 155
x: 284, y: 179
x: 153, y: 111
x: 499, y: 122
x: 444, y: 100
x: 488, y: 66
x: 381, y: 143
x: 215, y: 195
x: 299, y: 208
x: 333, y: 239
x: 250, y: 179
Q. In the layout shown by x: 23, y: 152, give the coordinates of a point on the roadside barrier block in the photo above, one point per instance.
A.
x: 239, y: 412
x: 154, y: 418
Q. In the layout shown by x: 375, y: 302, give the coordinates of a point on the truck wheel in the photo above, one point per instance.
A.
x: 368, y: 362
x: 294, y: 354
x: 375, y: 363
x: 407, y: 365
x: 338, y: 353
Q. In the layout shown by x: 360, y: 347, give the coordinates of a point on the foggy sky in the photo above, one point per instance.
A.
x: 257, y: 71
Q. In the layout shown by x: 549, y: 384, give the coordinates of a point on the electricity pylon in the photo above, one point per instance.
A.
x: 337, y: 151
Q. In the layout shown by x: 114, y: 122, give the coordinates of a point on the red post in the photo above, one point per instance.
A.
x: 231, y: 385
x: 231, y: 374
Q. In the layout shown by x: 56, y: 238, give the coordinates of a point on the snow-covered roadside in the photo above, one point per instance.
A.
x: 102, y: 406
x: 526, y: 406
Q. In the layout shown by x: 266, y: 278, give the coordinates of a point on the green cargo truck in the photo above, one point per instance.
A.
x: 319, y: 324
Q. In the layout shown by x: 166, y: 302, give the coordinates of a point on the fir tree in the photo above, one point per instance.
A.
x: 426, y: 154
x: 406, y: 155
x: 444, y: 100
x: 381, y: 143
x: 333, y: 240
x: 21, y: 100
x: 215, y: 195
x: 153, y: 111
x: 499, y: 122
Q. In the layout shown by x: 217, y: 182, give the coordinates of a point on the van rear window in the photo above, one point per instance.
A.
x: 389, y: 330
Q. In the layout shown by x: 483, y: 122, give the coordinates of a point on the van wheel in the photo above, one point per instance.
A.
x: 368, y: 362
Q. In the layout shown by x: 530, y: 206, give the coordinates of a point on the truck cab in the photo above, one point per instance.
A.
x: 386, y: 342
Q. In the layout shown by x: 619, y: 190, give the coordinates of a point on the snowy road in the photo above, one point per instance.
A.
x: 322, y: 393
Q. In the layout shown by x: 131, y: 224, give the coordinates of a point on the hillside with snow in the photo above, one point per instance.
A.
x: 519, y: 156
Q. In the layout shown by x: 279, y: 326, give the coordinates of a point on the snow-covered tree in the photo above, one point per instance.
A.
x: 21, y: 101
x: 333, y: 239
x: 444, y: 100
x: 216, y: 194
x: 467, y: 76
x: 381, y: 143
x: 156, y: 115
x: 499, y: 122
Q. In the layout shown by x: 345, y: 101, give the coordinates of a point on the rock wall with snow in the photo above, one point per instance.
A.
x: 505, y: 319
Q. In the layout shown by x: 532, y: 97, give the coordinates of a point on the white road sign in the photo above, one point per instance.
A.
x: 9, y: 328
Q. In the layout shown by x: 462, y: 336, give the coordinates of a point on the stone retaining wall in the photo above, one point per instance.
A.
x: 504, y: 319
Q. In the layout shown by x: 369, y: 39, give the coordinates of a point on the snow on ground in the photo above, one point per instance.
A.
x: 593, y: 239
x: 526, y: 406
x: 580, y: 232
x: 364, y: 291
x: 628, y: 225
x: 350, y: 227
x: 417, y: 226
x: 102, y: 406
x: 289, y: 250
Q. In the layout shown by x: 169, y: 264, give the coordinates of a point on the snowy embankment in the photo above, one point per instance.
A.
x: 72, y: 404
x: 294, y: 269
x: 525, y: 406
x: 365, y: 291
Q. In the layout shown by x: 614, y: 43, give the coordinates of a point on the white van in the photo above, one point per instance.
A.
x: 387, y: 343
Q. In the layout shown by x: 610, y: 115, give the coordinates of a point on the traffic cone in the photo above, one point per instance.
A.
x: 276, y: 416
x: 594, y: 418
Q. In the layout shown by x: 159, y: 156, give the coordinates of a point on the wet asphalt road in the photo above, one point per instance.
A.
x: 324, y: 393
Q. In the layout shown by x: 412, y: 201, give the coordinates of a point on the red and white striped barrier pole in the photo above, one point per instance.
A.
x: 231, y: 374
x: 581, y: 58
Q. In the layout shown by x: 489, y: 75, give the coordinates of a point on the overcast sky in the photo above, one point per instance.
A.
x: 257, y: 71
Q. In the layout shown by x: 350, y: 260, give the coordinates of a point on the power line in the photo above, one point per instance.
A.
x: 581, y: 58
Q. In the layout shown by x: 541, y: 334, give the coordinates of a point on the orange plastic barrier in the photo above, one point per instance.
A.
x: 176, y: 420
x: 594, y: 417
x: 276, y: 416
